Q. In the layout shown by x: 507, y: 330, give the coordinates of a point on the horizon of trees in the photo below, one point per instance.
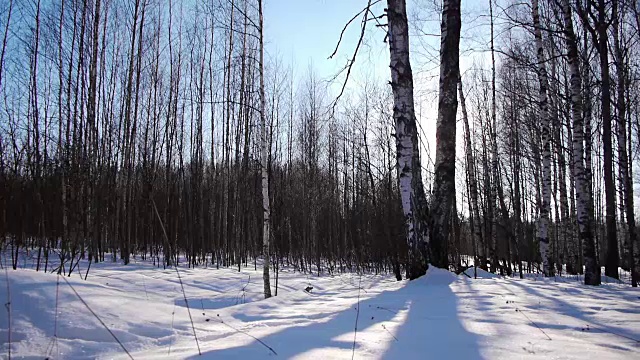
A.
x: 120, y: 120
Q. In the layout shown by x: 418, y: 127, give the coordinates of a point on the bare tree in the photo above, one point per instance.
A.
x: 543, y: 224
x: 478, y: 248
x: 264, y: 167
x: 583, y: 192
x: 443, y: 197
x: 412, y: 194
x: 599, y: 34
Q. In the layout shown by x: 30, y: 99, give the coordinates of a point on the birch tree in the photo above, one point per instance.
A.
x: 583, y: 192
x: 598, y: 30
x: 478, y: 248
x: 543, y: 223
x: 264, y: 166
x: 443, y: 197
x: 495, y: 173
x: 626, y: 183
x: 413, y: 199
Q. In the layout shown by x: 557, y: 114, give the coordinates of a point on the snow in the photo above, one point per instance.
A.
x: 480, y: 273
x: 440, y: 315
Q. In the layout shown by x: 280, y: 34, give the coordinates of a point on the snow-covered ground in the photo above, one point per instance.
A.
x: 439, y: 316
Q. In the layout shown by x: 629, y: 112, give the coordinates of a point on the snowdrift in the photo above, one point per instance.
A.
x: 439, y: 315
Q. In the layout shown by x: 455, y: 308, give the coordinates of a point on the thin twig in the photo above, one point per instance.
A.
x: 384, y: 327
x: 144, y: 284
x: 54, y: 341
x: 355, y: 331
x: 387, y: 309
x: 97, y: 317
x: 193, y: 327
x: 246, y: 333
x: 238, y: 330
x: 616, y: 334
x: 243, y: 291
x: 173, y: 315
x: 335, y: 51
x: 8, y: 306
x: 349, y: 65
x: 533, y: 322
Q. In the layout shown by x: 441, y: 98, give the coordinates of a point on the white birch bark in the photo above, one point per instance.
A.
x: 408, y: 159
x: 565, y: 228
x: 543, y: 223
x: 579, y: 169
x: 495, y: 175
x: 264, y: 163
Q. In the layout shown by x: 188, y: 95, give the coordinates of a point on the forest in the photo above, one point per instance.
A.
x: 162, y: 130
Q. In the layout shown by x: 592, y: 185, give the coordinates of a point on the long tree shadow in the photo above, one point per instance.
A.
x: 433, y: 328
x: 582, y: 314
x: 418, y: 321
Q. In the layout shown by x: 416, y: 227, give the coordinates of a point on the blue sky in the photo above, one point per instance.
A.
x: 305, y: 31
x: 301, y: 32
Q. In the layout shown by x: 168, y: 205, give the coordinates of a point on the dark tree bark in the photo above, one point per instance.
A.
x: 443, y: 197
x: 599, y: 33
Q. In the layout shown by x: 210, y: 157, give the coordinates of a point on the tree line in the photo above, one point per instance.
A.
x: 115, y: 110
x: 554, y: 135
x: 161, y: 129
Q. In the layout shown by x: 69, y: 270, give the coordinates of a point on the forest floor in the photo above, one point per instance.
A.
x: 439, y: 316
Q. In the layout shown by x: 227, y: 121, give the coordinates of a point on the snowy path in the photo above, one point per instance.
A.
x: 437, y: 316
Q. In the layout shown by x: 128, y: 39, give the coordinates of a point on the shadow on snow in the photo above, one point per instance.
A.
x: 428, y: 327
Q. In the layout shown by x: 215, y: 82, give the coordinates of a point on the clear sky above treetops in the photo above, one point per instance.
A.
x: 301, y: 32
x: 307, y: 31
x: 304, y: 33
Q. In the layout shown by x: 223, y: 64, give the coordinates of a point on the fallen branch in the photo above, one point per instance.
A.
x: 355, y: 330
x: 533, y: 322
x: 54, y: 341
x: 97, y: 317
x: 384, y: 327
x: 245, y: 333
x: 173, y: 315
x: 612, y: 333
x: 8, y: 306
x: 179, y: 278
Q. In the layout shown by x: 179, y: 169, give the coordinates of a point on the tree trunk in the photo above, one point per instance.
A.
x: 579, y: 169
x: 409, y: 170
x: 473, y: 184
x: 443, y: 200
x: 543, y: 224
x: 495, y: 174
x: 611, y: 266
x: 264, y: 170
x: 625, y: 179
